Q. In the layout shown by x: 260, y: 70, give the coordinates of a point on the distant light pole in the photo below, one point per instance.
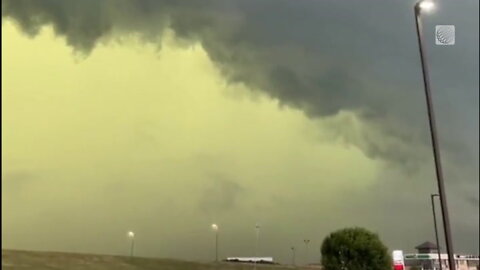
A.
x: 427, y: 5
x: 293, y: 255
x: 306, y: 241
x: 257, y: 233
x: 131, y: 236
x: 215, y: 228
x: 432, y: 196
x: 320, y: 257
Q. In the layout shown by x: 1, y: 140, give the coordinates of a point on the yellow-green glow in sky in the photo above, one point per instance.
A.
x: 132, y: 137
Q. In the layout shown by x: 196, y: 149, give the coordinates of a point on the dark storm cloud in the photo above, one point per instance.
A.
x: 82, y: 23
x: 323, y: 57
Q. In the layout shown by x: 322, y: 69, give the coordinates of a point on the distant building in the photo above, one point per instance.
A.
x: 427, y: 247
x: 267, y: 260
x: 426, y: 258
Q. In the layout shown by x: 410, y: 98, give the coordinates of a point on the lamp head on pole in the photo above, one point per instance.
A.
x: 131, y: 234
x: 215, y: 227
x: 425, y: 5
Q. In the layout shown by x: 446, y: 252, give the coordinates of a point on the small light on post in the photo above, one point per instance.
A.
x: 131, y: 236
x: 426, y: 5
x: 215, y: 228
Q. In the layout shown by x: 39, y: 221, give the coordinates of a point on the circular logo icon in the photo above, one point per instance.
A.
x: 445, y: 35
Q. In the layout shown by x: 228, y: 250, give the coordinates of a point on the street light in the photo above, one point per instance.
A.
x: 425, y: 6
x: 432, y: 196
x: 320, y: 257
x: 257, y: 233
x: 306, y: 241
x: 131, y: 236
x: 215, y: 228
x: 293, y: 255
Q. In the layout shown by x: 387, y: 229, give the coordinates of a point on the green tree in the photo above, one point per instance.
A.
x: 355, y: 249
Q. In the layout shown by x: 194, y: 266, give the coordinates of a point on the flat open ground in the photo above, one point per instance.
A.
x: 34, y: 260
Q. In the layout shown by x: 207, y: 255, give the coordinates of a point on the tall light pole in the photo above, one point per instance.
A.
x: 293, y: 255
x: 215, y: 228
x: 432, y: 196
x: 427, y: 5
x: 306, y: 241
x: 257, y: 234
x: 131, y: 236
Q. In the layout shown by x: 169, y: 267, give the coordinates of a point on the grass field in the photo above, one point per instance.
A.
x: 33, y: 260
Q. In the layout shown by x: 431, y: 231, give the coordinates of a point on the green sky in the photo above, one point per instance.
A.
x: 161, y: 140
x: 164, y: 117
